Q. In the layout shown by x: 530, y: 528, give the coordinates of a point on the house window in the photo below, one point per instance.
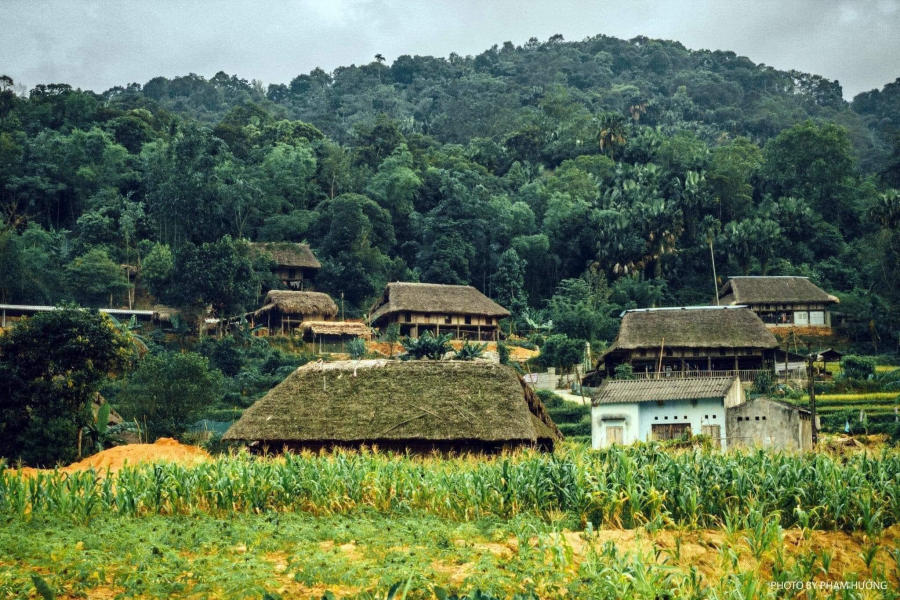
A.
x: 448, y: 320
x: 489, y: 320
x: 408, y: 317
x: 468, y: 320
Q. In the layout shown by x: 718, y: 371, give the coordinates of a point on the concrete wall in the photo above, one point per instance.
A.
x: 612, y: 415
x: 763, y: 422
x: 638, y: 418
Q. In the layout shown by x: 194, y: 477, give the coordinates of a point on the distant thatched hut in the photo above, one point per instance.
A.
x: 295, y: 264
x: 417, y: 405
x: 419, y: 307
x: 285, y: 310
x: 782, y: 301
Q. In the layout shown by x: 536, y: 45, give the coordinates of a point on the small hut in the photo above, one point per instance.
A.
x: 330, y: 336
x: 438, y: 308
x: 285, y: 310
x: 415, y: 405
x: 295, y: 264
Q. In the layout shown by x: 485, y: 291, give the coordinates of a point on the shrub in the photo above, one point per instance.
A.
x: 549, y: 399
x: 624, y: 371
x: 470, y: 351
x: 503, y: 353
x: 356, y: 348
x: 762, y: 383
x: 427, y: 345
x: 858, y: 367
x: 169, y: 390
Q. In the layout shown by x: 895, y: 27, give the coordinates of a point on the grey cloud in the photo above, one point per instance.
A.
x: 97, y: 44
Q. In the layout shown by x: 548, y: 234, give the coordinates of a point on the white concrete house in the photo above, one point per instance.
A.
x: 627, y: 411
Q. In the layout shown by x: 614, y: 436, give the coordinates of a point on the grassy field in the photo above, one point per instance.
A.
x: 636, y: 522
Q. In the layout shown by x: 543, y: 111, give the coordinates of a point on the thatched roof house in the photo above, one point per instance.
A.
x: 418, y: 307
x: 293, y: 262
x: 772, y: 290
x: 693, y: 327
x: 418, y: 405
x: 780, y: 300
x: 287, y: 309
x: 690, y: 339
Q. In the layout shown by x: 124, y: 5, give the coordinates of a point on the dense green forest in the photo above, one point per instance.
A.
x: 567, y: 180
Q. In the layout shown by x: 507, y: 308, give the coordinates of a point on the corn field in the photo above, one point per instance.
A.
x: 618, y: 487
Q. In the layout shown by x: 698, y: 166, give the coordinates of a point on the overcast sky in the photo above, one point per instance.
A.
x: 96, y: 44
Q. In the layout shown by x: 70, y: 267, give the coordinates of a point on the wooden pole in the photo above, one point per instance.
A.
x: 810, y: 374
x: 712, y: 260
x: 659, y: 365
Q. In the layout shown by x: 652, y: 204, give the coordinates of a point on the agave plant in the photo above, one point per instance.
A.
x: 427, y: 345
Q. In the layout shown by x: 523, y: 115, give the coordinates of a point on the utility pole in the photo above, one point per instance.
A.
x: 811, y: 382
x: 712, y: 260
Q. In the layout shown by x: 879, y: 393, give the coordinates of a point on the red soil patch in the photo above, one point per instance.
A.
x: 163, y: 450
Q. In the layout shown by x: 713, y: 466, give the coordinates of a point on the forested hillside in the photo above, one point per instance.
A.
x: 565, y: 180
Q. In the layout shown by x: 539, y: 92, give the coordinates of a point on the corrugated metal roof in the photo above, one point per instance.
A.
x: 38, y: 308
x: 620, y: 391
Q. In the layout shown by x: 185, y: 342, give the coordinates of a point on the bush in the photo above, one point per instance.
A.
x: 470, y: 351
x: 549, y: 399
x: 169, y: 390
x: 624, y: 371
x: 503, y: 353
x: 569, y: 413
x: 858, y: 367
x: 582, y: 427
x: 356, y: 348
x: 763, y: 383
x: 427, y: 345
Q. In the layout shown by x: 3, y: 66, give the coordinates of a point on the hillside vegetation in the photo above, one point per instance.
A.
x: 567, y: 180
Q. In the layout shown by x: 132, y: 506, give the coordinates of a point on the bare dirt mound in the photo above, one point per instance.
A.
x: 163, y: 450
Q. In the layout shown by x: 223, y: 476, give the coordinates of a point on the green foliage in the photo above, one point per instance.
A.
x: 624, y: 371
x: 52, y: 366
x: 562, y: 352
x: 428, y: 345
x: 858, y: 367
x: 521, y: 170
x: 168, y: 391
x: 503, y: 353
x: 470, y: 351
x: 95, y: 279
x: 763, y: 383
x: 356, y: 348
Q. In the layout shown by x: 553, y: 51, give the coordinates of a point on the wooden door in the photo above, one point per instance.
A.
x: 714, y: 432
x: 615, y: 434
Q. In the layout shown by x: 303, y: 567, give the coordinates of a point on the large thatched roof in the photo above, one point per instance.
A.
x: 289, y: 254
x: 435, y: 298
x: 772, y: 290
x: 619, y: 391
x: 299, y: 303
x: 700, y: 327
x: 392, y: 403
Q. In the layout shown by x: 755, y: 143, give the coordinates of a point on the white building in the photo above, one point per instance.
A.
x: 627, y: 411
